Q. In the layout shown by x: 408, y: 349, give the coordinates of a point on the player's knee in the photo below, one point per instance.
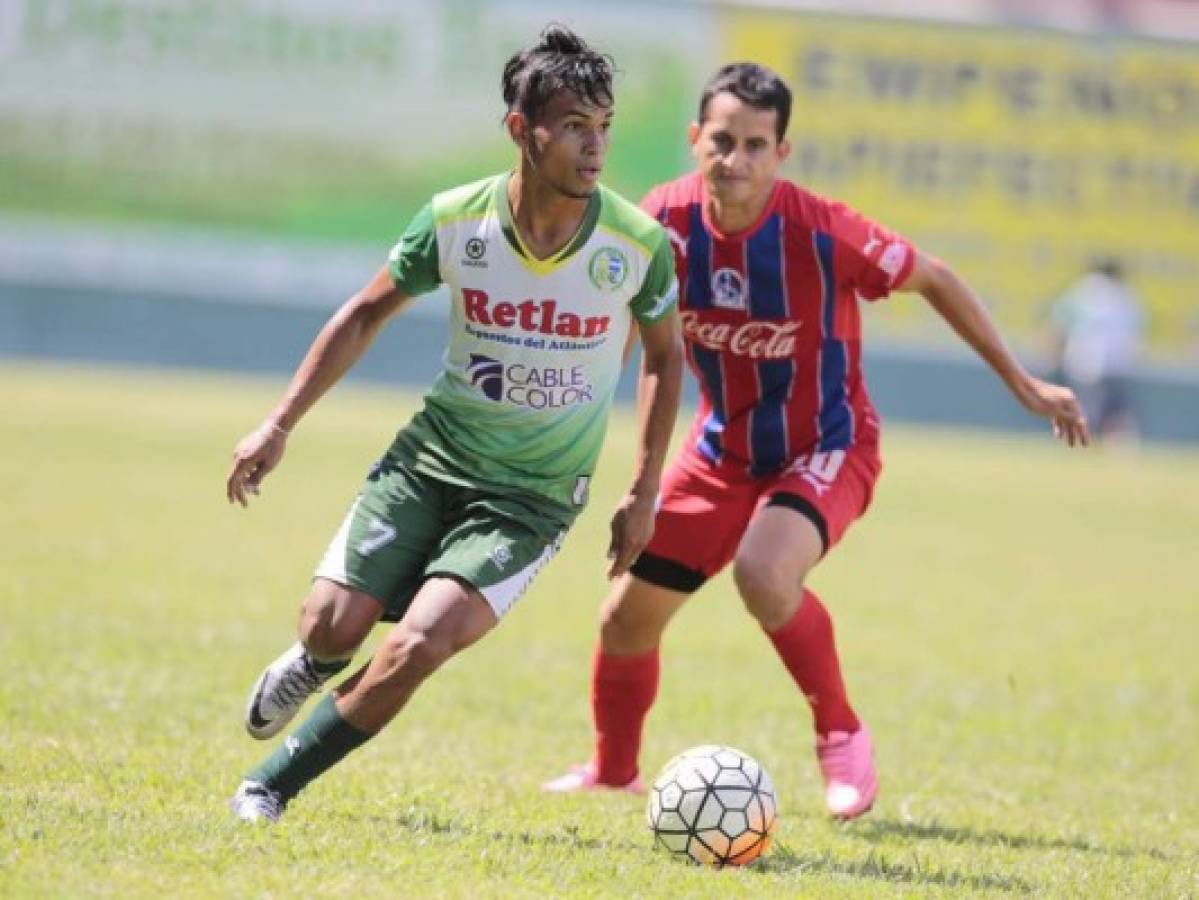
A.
x: 412, y: 656
x: 767, y: 586
x: 759, y: 577
x: 326, y: 630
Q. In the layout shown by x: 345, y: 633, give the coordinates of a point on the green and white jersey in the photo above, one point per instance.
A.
x: 535, y: 346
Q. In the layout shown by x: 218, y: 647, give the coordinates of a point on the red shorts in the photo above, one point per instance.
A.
x: 703, y: 512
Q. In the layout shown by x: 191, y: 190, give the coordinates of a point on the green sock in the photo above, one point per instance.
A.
x: 328, y: 667
x: 318, y: 744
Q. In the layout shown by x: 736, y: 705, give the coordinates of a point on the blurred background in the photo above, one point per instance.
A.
x: 198, y: 183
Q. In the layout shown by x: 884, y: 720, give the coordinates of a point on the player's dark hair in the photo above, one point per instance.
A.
x: 561, y: 60
x: 754, y: 84
x: 1108, y: 265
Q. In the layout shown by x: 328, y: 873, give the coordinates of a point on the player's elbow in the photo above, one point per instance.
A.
x: 666, y: 370
x: 935, y: 280
x: 664, y: 355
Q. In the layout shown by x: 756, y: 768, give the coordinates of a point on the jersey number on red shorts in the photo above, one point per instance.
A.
x: 819, y: 469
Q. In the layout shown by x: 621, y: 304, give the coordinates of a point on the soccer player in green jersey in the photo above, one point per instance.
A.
x: 547, y: 272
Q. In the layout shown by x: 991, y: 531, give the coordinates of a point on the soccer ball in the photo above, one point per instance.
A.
x: 714, y: 805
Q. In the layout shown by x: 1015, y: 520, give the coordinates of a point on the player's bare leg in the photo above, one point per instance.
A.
x: 635, y: 615
x: 624, y: 683
x: 778, y: 550
x: 334, y: 621
x: 780, y: 547
x: 445, y: 617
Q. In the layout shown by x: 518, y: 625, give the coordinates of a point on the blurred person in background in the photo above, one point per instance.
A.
x: 783, y: 454
x: 548, y: 273
x: 1098, y: 325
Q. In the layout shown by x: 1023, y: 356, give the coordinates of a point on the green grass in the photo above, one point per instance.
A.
x: 1018, y: 624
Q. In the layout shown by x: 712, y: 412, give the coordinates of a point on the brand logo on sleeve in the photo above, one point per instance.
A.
x: 666, y: 301
x: 893, y: 258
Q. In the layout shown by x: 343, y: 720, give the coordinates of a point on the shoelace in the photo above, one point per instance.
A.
x: 298, y: 682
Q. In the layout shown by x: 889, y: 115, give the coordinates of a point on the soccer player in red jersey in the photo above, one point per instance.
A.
x: 784, y: 451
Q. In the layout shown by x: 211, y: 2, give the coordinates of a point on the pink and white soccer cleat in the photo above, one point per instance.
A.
x: 586, y: 778
x: 847, y: 766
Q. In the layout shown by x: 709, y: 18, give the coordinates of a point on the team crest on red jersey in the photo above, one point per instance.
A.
x: 728, y: 289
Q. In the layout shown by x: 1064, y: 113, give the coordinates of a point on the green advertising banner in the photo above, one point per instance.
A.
x: 323, y: 120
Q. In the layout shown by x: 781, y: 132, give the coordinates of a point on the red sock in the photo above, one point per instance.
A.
x: 809, y: 651
x: 622, y: 691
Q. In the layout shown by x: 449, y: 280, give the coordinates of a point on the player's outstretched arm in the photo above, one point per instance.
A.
x: 958, y: 305
x: 658, y: 387
x: 340, y: 344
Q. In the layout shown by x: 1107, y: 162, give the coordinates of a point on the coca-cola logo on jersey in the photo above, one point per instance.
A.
x: 756, y: 340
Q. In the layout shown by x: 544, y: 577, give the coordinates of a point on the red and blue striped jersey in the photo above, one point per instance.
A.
x: 771, y: 321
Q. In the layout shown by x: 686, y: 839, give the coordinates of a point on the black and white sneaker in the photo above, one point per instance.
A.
x: 256, y: 802
x: 281, y: 690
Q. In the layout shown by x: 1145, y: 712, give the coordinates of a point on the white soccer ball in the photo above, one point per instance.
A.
x: 714, y: 805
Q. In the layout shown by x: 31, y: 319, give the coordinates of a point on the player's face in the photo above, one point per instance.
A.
x: 738, y: 151
x: 566, y: 146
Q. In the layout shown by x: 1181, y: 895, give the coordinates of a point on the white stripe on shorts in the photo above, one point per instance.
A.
x: 502, y: 595
x: 333, y: 563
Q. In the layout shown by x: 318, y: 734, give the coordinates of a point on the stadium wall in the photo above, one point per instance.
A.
x: 947, y: 387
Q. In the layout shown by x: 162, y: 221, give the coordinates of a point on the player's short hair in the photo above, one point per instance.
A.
x: 1109, y: 265
x: 754, y: 84
x: 561, y: 60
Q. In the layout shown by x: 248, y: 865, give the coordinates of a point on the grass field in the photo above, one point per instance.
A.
x: 1019, y: 624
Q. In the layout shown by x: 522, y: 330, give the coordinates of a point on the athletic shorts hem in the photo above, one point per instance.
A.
x: 666, y: 573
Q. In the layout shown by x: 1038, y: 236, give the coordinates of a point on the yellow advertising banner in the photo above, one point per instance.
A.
x: 1015, y: 155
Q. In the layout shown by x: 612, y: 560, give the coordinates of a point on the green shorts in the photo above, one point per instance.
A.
x: 406, y: 526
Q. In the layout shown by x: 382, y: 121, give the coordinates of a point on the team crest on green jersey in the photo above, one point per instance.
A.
x: 608, y: 268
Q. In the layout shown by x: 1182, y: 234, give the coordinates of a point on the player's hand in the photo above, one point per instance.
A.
x: 1059, y: 405
x: 256, y: 454
x: 632, y: 527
